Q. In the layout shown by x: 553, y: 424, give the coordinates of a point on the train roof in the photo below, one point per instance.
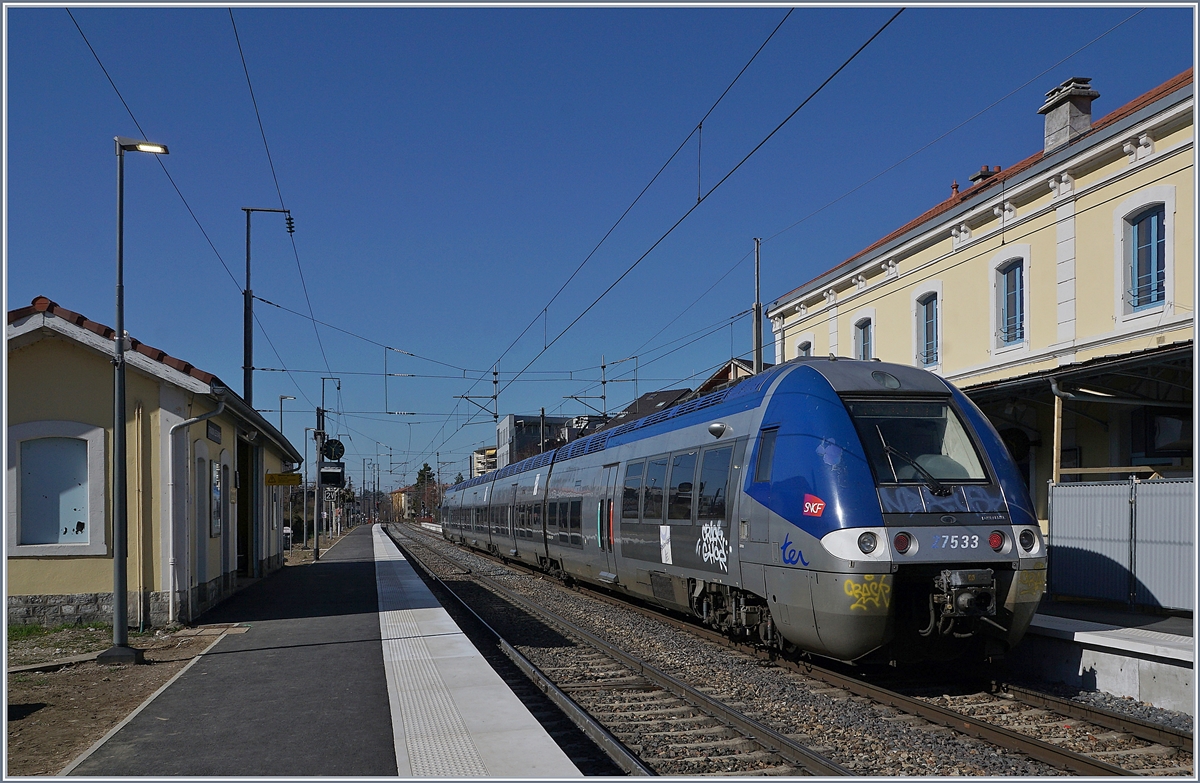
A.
x: 843, y: 374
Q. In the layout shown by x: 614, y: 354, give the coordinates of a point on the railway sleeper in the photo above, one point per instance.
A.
x: 646, y: 716
x: 711, y: 731
x: 740, y: 758
x: 1160, y: 751
x: 732, y: 743
x: 624, y: 729
x: 781, y: 771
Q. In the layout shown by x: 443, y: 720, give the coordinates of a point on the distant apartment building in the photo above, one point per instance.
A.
x: 1058, y: 293
x: 482, y: 461
x: 520, y: 437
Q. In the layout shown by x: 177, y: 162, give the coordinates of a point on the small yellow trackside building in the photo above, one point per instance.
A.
x: 200, y: 514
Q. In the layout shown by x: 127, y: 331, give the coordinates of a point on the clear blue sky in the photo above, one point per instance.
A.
x: 449, y: 168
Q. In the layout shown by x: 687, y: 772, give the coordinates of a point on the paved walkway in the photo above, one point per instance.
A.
x: 314, y: 688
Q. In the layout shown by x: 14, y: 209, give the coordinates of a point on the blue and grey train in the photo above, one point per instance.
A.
x: 855, y: 510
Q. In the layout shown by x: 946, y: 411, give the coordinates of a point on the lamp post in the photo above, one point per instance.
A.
x: 121, y: 652
x: 283, y: 397
x: 248, y: 308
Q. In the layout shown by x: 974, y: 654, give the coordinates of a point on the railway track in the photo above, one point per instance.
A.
x: 660, y: 724
x: 1069, y: 736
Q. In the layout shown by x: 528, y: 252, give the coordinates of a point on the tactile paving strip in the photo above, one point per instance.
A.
x: 435, y: 736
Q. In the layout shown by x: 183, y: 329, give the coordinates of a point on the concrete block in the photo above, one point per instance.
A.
x: 1166, y: 686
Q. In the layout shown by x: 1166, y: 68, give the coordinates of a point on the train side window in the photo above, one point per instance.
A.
x: 766, y: 455
x: 714, y: 483
x: 656, y: 477
x: 577, y: 523
x: 683, y: 486
x: 536, y: 521
x: 564, y: 530
x: 631, y: 500
x: 551, y: 521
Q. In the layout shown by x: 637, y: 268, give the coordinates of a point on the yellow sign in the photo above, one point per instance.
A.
x: 283, y: 479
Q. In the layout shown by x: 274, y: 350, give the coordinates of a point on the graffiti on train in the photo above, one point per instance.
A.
x: 712, y: 546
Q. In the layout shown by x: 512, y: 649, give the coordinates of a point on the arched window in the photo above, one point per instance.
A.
x: 863, y: 339
x: 1147, y: 262
x: 927, y: 329
x: 1010, y: 309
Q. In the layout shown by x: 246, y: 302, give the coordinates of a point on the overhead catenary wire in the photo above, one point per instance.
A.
x: 278, y: 190
x: 890, y: 168
x: 719, y: 183
x: 174, y: 185
x: 704, y: 197
x: 543, y: 312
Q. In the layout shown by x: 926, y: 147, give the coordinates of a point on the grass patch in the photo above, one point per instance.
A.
x: 17, y: 633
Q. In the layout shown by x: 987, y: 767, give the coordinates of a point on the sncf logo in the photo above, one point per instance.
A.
x: 813, y: 506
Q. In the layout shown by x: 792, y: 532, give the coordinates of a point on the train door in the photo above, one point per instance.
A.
x: 607, y: 514
x: 513, y: 523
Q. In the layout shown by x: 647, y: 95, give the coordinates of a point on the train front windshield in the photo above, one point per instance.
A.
x: 915, y: 442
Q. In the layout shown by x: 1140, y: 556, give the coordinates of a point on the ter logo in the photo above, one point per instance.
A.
x: 813, y: 506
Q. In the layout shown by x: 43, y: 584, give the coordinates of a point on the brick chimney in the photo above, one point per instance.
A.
x: 1068, y: 111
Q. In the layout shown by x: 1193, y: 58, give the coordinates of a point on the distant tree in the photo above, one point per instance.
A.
x: 427, y: 494
x: 458, y: 479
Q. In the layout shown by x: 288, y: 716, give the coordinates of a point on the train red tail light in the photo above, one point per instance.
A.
x: 902, y: 542
x: 996, y: 540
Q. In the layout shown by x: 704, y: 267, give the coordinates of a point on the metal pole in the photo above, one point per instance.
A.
x: 319, y: 437
x: 248, y: 327
x: 758, y: 327
x: 120, y: 468
x: 305, y: 520
x: 542, y: 431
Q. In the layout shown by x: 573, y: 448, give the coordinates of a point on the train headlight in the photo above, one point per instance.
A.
x: 996, y: 540
x: 902, y: 542
x: 867, y: 543
x: 1027, y: 539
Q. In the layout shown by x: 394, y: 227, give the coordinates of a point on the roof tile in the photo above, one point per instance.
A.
x: 41, y: 304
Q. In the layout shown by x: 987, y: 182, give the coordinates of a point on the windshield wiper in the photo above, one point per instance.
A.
x: 935, y: 487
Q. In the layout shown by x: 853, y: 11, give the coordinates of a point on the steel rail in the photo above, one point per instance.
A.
x: 1036, y: 749
x: 1045, y: 752
x: 773, y: 741
x: 622, y: 756
x: 1142, y: 729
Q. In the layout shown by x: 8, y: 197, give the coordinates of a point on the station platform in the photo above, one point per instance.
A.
x: 1147, y: 657
x: 456, y: 716
x: 349, y: 667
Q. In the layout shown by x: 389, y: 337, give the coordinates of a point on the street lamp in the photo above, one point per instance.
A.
x: 283, y: 397
x: 121, y: 652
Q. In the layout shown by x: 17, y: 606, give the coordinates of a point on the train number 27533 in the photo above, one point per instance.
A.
x: 955, y: 542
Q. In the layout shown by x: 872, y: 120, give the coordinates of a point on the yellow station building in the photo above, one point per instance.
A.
x: 1058, y: 293
x: 201, y: 514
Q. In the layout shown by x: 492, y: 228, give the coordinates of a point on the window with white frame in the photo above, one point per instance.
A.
x: 863, y: 337
x: 1147, y: 258
x: 1010, y: 287
x: 55, y: 489
x: 804, y: 349
x: 927, y: 329
x: 1143, y: 233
